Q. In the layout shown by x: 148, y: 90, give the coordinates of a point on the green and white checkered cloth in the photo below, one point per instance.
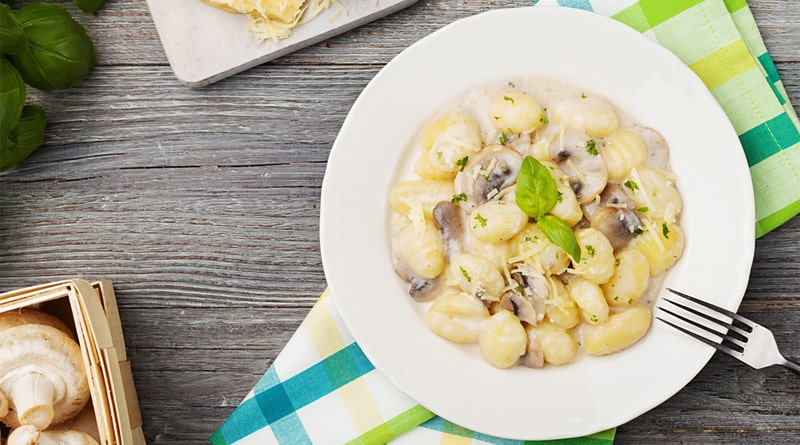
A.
x: 322, y: 389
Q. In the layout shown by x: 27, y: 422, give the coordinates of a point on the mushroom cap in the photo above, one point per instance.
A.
x: 619, y: 225
x: 581, y: 162
x: 53, y: 358
x: 22, y: 316
x: 493, y: 170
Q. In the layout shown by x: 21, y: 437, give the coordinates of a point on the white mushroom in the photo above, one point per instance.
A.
x: 29, y: 435
x: 41, y: 371
x: 578, y: 156
x: 489, y: 173
x: 619, y: 225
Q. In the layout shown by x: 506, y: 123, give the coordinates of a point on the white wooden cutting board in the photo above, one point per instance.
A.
x: 205, y: 44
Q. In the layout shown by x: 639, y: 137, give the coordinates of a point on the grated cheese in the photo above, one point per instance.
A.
x: 273, y: 20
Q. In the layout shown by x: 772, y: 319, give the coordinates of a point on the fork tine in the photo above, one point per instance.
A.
x: 714, y: 307
x: 717, y: 346
x: 742, y: 334
x: 723, y: 336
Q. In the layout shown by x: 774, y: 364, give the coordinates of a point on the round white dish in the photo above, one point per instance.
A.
x: 578, y: 48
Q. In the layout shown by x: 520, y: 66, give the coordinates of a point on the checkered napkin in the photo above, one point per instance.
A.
x: 322, y: 389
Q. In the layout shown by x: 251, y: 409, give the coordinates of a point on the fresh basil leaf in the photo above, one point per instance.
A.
x: 536, y: 192
x: 23, y: 139
x: 60, y: 53
x: 560, y: 234
x: 12, y: 97
x: 12, y: 37
x: 89, y: 6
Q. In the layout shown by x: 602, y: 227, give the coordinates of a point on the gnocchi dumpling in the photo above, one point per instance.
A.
x: 531, y: 242
x: 560, y: 308
x: 590, y: 299
x: 457, y: 317
x: 515, y: 112
x: 618, y: 332
x: 662, y: 243
x: 447, y: 143
x: 419, y: 195
x: 497, y: 221
x: 503, y: 340
x: 623, y: 151
x: 654, y: 192
x: 423, y: 253
x: 558, y: 347
x: 597, y: 256
x: 477, y: 276
x: 593, y: 115
x: 630, y: 278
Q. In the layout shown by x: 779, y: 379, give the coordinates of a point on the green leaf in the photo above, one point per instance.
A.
x: 12, y: 36
x: 12, y: 97
x: 23, y: 139
x: 89, y: 6
x: 60, y: 53
x: 537, y: 192
x: 560, y: 234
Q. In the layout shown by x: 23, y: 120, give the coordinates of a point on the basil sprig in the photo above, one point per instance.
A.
x: 537, y: 194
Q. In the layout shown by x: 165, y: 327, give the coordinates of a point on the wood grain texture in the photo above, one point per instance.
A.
x: 202, y: 206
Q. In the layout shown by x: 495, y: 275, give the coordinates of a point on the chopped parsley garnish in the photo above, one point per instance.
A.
x: 643, y: 209
x: 591, y: 147
x: 583, y: 95
x: 590, y: 250
x: 665, y: 230
x: 616, y: 262
x: 543, y: 119
x: 637, y: 231
x: 560, y: 197
x: 481, y: 220
x: 459, y: 197
x: 461, y: 163
x: 465, y: 273
x: 521, y: 288
x: 630, y: 185
x: 508, y: 99
x: 497, y: 118
x: 512, y: 85
x: 439, y: 155
x: 594, y: 318
x: 503, y: 138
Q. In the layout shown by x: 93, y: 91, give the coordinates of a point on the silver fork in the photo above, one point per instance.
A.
x: 740, y: 338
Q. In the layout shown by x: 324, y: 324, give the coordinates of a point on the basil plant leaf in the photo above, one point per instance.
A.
x: 536, y: 191
x: 23, y: 139
x: 60, y: 53
x: 12, y: 36
x: 12, y: 97
x: 89, y: 6
x: 560, y: 234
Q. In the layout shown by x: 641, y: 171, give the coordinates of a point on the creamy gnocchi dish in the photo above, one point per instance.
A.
x: 539, y: 223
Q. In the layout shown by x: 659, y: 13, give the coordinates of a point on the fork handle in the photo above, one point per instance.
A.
x: 792, y: 366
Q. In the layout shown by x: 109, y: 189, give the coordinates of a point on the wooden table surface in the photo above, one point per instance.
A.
x: 202, y: 206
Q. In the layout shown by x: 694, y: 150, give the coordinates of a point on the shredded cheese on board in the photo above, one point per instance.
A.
x: 273, y: 20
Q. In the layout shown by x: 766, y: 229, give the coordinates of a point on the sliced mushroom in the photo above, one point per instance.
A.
x: 618, y: 224
x: 612, y: 196
x: 534, y: 354
x: 42, y: 371
x: 489, y: 173
x: 578, y: 156
x: 29, y: 435
x: 449, y: 218
x: 534, y: 287
x: 513, y: 301
x: 424, y: 289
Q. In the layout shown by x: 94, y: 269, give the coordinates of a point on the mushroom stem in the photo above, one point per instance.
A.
x: 3, y: 405
x: 33, y: 396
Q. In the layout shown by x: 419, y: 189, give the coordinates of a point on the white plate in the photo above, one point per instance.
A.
x: 579, y: 48
x: 205, y: 44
